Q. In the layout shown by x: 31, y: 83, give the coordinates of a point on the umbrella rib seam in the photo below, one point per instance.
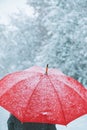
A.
x: 59, y: 100
x: 41, y: 77
x: 11, y: 87
x: 16, y: 84
x: 72, y: 88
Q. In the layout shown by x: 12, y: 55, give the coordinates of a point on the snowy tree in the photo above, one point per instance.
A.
x: 20, y: 43
x: 66, y: 36
x: 56, y: 34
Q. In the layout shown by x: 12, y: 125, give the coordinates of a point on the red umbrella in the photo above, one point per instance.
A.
x: 51, y: 97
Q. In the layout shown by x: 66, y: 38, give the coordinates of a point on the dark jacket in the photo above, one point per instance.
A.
x: 15, y: 124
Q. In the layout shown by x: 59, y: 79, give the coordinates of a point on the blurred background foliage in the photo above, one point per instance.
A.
x: 55, y: 35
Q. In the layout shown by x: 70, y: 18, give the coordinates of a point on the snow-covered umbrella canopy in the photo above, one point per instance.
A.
x: 33, y: 95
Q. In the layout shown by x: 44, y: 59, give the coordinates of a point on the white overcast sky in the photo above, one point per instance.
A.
x: 8, y: 7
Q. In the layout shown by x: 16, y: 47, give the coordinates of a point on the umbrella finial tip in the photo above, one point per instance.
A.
x: 46, y: 69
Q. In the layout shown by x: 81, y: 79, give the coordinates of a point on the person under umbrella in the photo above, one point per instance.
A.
x: 14, y: 124
x: 43, y: 95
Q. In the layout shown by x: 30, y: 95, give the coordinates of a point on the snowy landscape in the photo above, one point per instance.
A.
x: 44, y: 32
